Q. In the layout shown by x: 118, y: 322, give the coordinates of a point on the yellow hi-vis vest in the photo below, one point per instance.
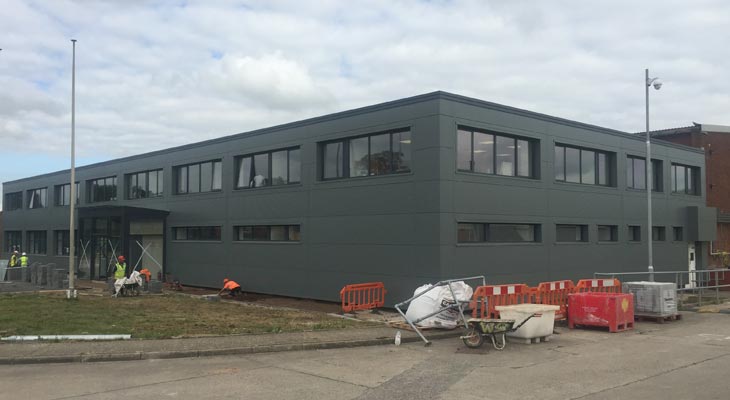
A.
x: 121, y: 271
x: 23, y: 261
x: 13, y: 260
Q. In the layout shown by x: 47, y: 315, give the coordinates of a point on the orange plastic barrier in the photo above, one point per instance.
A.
x: 362, y: 296
x: 556, y: 294
x: 487, y: 297
x: 598, y: 285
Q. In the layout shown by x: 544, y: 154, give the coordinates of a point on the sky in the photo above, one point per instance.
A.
x: 156, y: 74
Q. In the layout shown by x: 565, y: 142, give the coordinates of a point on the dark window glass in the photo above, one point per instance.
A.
x: 13, y: 241
x: 261, y: 170
x: 206, y: 177
x: 263, y: 233
x: 62, y: 243
x: 511, y: 233
x: 559, y: 163
x: 685, y: 179
x: 377, y: 154
x: 463, y: 150
x: 634, y: 233
x: 401, y: 145
x: 37, y: 198
x: 200, y: 233
x: 505, y: 156
x: 217, y: 175
x: 470, y: 233
x: 194, y: 178
x: 572, y: 165
x: 607, y: 233
x: 359, y: 160
x: 63, y: 194
x: 142, y: 185
x: 587, y: 167
x: 102, y: 189
x: 603, y: 178
x: 13, y: 201
x: 678, y: 233
x: 153, y: 189
x: 483, y: 153
x: 333, y: 156
x: 295, y: 234
x: 658, y: 234
x: 295, y: 166
x: 657, y: 172
x: 36, y: 242
x: 279, y: 168
x: 380, y: 155
x: 571, y: 233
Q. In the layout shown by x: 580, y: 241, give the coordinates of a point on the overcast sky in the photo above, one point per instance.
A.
x: 155, y: 74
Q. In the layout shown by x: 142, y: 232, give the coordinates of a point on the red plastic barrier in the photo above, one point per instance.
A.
x: 556, y: 294
x: 362, y: 296
x: 598, y: 285
x: 612, y: 310
x: 487, y: 297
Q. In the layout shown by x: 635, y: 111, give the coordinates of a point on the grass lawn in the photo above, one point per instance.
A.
x: 150, y: 317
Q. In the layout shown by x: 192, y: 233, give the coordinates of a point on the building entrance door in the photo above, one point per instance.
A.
x: 692, y: 260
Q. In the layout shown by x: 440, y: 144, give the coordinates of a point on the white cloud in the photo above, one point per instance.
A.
x: 154, y: 74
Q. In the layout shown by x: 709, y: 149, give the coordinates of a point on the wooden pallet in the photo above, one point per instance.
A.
x: 658, y: 318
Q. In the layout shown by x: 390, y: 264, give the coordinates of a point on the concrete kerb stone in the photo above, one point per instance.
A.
x: 153, y: 355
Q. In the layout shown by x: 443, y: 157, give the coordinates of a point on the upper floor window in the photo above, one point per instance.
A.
x: 607, y: 233
x: 634, y: 233
x: 658, y: 233
x: 37, y: 198
x: 678, y: 232
x: 198, y: 177
x: 496, y: 154
x: 145, y: 184
x: 685, y: 179
x: 636, y: 173
x: 62, y: 195
x: 102, y: 189
x: 273, y: 233
x: 13, y: 201
x: 272, y: 168
x: 497, y: 233
x: 571, y: 233
x: 376, y: 154
x: 579, y: 165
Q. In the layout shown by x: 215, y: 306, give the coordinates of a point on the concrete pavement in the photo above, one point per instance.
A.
x: 678, y: 360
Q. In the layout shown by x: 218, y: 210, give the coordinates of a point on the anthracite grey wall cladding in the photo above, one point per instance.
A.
x: 402, y: 228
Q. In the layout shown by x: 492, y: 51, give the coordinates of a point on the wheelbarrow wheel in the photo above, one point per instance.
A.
x: 473, y: 339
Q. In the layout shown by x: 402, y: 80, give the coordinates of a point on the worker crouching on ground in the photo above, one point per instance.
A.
x: 233, y: 288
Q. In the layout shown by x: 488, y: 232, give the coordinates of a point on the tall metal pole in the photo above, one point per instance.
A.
x: 71, y: 293
x: 649, y: 179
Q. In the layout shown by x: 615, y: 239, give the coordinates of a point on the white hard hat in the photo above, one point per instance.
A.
x: 23, y: 253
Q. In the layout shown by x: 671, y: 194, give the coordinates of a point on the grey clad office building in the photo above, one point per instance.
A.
x: 412, y: 191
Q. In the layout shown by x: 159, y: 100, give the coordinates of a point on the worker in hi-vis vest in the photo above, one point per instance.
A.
x: 24, y: 260
x: 13, y: 259
x: 121, y: 268
x: 232, y: 287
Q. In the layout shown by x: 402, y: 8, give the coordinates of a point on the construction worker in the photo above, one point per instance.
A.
x: 24, y: 260
x: 121, y: 268
x: 232, y: 287
x: 146, y: 273
x: 13, y: 259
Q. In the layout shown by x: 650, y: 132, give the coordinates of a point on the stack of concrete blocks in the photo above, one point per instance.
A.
x: 155, y: 287
x: 25, y: 274
x: 43, y: 281
x: 13, y: 274
x: 34, y: 273
x: 57, y: 278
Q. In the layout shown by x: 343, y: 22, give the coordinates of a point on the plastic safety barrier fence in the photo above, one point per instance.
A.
x: 362, y: 296
x: 487, y: 297
x: 598, y: 285
x: 556, y: 294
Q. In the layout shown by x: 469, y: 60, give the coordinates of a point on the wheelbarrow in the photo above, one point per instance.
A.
x: 495, y: 329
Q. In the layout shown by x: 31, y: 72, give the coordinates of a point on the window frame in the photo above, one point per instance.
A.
x: 657, y: 170
x: 484, y: 236
x: 344, y: 161
x: 532, y: 147
x: 660, y: 235
x: 134, y: 176
x: 613, y: 233
x: 58, y: 194
x: 10, y: 245
x: 675, y: 235
x: 691, y: 173
x: 41, y: 193
x: 581, y: 228
x: 597, y: 168
x: 200, y: 229
x: 631, y: 233
x: 108, y: 196
x: 289, y: 230
x: 37, y: 245
x: 177, y: 169
x: 13, y: 201
x: 268, y: 180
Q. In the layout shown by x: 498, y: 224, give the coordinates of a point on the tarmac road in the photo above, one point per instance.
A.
x: 678, y: 360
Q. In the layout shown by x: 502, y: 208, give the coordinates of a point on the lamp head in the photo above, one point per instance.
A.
x: 656, y: 82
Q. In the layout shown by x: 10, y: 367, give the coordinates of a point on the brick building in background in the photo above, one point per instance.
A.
x: 715, y: 141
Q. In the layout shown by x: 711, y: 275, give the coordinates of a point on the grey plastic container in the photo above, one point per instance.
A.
x: 653, y: 298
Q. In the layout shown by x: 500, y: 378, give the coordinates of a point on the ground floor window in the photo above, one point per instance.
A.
x: 634, y: 233
x: 607, y: 233
x: 37, y: 242
x: 658, y: 233
x: 197, y: 233
x: 62, y: 242
x: 269, y: 233
x: 13, y: 241
x: 497, y: 233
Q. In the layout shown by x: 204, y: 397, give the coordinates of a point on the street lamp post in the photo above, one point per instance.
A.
x: 649, y: 177
x: 71, y: 292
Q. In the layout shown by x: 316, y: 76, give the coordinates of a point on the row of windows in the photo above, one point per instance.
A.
x: 276, y: 233
x: 564, y: 233
x: 36, y: 242
x: 379, y: 154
